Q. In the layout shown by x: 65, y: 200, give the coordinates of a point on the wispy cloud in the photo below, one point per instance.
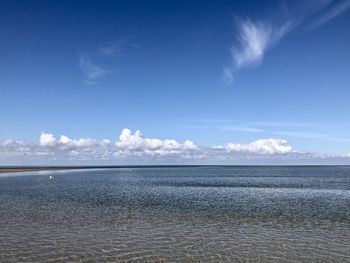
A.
x: 255, y: 37
x: 89, y: 61
x: 281, y: 124
x: 112, y: 50
x: 223, y: 125
x: 227, y: 75
x: 335, y: 8
x: 308, y: 135
x: 240, y: 129
x: 311, y: 135
x: 90, y: 69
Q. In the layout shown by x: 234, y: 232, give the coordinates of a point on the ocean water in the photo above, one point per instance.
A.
x: 177, y: 214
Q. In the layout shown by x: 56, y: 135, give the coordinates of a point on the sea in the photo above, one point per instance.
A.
x: 177, y: 214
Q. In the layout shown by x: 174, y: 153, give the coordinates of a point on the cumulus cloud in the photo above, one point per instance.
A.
x: 129, y: 145
x: 15, y: 147
x: 47, y: 139
x: 261, y: 146
x: 136, y: 144
x: 64, y: 140
x: 133, y: 147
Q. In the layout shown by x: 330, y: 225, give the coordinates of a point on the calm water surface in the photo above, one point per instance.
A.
x: 188, y: 214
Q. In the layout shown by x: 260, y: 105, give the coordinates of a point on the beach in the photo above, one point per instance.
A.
x: 27, y: 169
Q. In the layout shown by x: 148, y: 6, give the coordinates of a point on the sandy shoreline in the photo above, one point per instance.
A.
x: 18, y: 170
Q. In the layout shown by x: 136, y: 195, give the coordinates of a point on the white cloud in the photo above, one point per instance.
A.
x: 261, y: 146
x: 297, y: 134
x: 64, y: 140
x: 47, y: 139
x: 90, y: 62
x: 240, y: 128
x: 255, y: 37
x: 282, y: 124
x: 334, y: 10
x: 14, y: 149
x: 227, y: 76
x: 253, y: 40
x: 135, y: 148
x: 130, y: 144
x: 105, y: 142
x: 312, y: 135
x: 91, y: 70
x: 111, y: 51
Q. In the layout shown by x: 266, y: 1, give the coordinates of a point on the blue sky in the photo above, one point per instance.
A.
x: 212, y: 72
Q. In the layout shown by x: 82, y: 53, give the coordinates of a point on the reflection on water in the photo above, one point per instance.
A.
x: 206, y: 214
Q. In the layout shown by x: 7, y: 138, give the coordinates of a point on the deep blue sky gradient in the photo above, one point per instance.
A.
x: 167, y: 79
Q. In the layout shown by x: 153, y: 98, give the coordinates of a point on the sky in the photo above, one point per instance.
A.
x: 174, y: 82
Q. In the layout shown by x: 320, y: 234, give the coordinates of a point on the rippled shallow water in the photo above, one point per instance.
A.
x: 172, y: 214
